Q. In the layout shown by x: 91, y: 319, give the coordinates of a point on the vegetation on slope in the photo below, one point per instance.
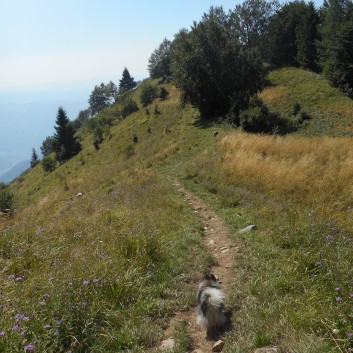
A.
x: 104, y: 271
x: 101, y: 272
x: 328, y: 111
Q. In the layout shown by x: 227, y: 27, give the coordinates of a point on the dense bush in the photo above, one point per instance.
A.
x: 49, y: 163
x: 148, y: 93
x: 259, y: 119
x: 6, y: 199
x: 129, y: 108
x: 163, y: 94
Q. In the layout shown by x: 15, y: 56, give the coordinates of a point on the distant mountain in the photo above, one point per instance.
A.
x: 14, y: 172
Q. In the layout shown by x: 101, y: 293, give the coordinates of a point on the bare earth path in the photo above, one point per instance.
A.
x: 217, y: 239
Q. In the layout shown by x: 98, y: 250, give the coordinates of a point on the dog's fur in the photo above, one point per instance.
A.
x: 210, y: 305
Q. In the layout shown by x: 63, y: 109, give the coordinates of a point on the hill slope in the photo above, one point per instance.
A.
x: 329, y: 110
x: 104, y: 272
x: 14, y: 172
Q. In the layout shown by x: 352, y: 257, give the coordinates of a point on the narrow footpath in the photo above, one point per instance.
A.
x: 217, y: 238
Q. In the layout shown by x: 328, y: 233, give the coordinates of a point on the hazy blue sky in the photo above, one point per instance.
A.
x: 53, y: 52
x: 55, y: 41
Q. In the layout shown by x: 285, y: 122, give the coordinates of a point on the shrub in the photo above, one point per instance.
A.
x: 49, y: 163
x: 6, y: 199
x: 163, y: 94
x: 129, y: 108
x: 148, y: 93
x: 97, y: 137
x: 259, y: 119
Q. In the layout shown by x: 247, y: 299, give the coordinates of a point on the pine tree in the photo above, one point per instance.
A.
x: 66, y: 144
x: 34, y: 158
x: 127, y: 82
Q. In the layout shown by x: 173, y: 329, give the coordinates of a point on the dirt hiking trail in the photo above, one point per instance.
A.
x: 217, y: 238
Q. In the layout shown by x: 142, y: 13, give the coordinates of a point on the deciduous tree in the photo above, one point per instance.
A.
x: 48, y: 146
x: 101, y: 97
x: 214, y: 72
x: 159, y: 61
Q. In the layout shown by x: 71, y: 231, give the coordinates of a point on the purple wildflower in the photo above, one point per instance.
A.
x: 60, y: 321
x: 46, y: 295
x: 50, y: 279
x: 95, y: 280
x: 47, y: 326
x: 329, y: 237
x: 339, y: 299
x: 30, y: 348
x: 38, y: 231
x: 2, y: 333
x: 338, y: 288
x: 16, y: 327
x: 349, y: 334
x: 21, y: 317
x: 85, y: 282
x: 11, y: 276
x: 19, y: 278
x: 351, y: 295
x: 42, y: 303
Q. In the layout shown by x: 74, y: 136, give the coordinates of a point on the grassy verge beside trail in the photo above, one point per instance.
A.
x: 103, y: 273
x: 296, y: 286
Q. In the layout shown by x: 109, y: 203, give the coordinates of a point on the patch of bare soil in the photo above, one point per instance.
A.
x: 217, y: 239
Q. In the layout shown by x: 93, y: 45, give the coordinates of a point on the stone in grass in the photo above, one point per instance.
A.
x: 218, y: 346
x: 247, y: 229
x: 168, y: 344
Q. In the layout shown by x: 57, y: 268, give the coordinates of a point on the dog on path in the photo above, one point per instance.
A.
x: 210, y: 306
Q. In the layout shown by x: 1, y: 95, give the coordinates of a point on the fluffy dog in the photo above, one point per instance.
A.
x: 210, y: 305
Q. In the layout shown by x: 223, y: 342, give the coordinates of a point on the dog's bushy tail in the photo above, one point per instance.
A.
x: 211, y: 302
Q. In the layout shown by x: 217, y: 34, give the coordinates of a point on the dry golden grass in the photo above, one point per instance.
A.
x: 313, y: 170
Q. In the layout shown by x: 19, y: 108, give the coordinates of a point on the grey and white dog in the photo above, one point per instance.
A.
x: 210, y: 305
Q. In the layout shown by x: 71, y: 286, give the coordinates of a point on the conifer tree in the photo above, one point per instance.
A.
x: 34, y: 158
x: 341, y: 74
x: 127, y: 82
x: 306, y: 37
x: 66, y: 144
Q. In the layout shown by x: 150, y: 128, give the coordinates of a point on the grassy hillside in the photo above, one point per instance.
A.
x: 104, y: 272
x: 329, y: 110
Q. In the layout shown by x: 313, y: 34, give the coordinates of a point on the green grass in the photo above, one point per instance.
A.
x: 330, y: 111
x: 292, y: 271
x: 102, y: 272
